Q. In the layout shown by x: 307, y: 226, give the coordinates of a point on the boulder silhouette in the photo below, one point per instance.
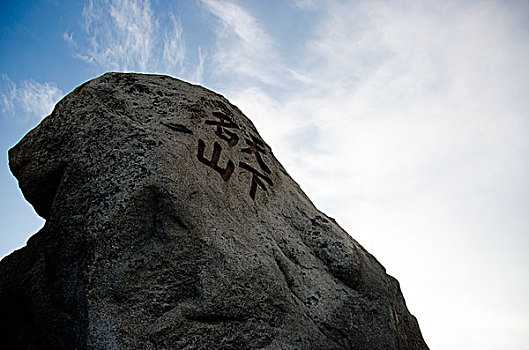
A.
x: 171, y: 225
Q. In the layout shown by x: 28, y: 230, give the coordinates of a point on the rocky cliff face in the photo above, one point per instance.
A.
x: 171, y: 225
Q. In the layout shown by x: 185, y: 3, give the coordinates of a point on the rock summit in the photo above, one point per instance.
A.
x: 171, y: 225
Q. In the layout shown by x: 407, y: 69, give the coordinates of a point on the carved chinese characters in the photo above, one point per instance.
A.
x: 223, y: 125
x: 213, y: 163
x: 226, y: 129
x: 256, y: 175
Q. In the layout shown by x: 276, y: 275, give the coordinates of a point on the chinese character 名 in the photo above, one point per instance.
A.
x: 223, y: 124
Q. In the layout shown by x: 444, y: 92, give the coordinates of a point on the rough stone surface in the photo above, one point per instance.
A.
x: 171, y: 225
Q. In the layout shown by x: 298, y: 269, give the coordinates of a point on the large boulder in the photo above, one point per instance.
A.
x: 171, y: 225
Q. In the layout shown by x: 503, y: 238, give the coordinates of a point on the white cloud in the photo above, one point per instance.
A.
x: 120, y: 34
x: 414, y: 119
x: 199, y: 70
x: 243, y: 45
x: 32, y: 99
x: 68, y: 37
x: 307, y: 4
x: 235, y: 18
x: 126, y: 35
x: 174, y: 48
x: 7, y: 94
x: 39, y: 99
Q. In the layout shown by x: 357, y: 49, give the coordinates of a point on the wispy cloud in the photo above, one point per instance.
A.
x: 126, y: 35
x: 68, y: 37
x: 307, y: 4
x: 33, y: 99
x: 243, y: 46
x: 174, y: 51
x: 199, y: 70
x: 410, y: 125
x: 120, y: 34
x: 8, y: 94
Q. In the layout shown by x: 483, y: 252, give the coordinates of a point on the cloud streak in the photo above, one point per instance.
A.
x: 120, y: 34
x: 408, y: 123
x: 35, y: 100
x: 126, y: 35
x: 244, y: 47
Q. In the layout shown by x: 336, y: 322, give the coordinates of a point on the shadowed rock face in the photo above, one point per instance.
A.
x: 171, y: 225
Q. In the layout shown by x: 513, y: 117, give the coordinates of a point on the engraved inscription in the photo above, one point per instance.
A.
x: 227, y: 130
x: 177, y: 127
x: 213, y: 163
x: 256, y: 179
x: 223, y: 124
x: 256, y: 147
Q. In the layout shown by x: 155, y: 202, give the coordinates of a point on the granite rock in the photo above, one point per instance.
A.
x: 171, y: 225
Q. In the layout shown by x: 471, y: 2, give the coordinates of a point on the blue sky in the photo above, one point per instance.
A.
x: 407, y: 121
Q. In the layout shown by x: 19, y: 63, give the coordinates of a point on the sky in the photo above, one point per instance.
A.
x: 406, y: 121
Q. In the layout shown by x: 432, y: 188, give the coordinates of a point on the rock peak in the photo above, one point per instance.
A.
x: 171, y: 225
